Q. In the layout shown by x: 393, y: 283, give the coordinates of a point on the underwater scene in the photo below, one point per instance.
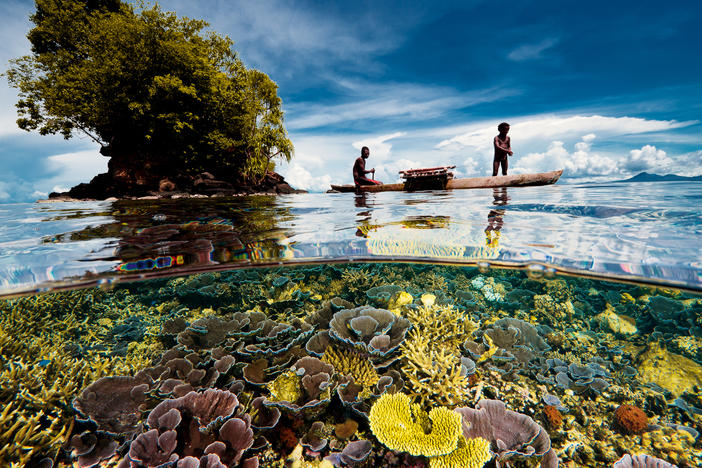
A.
x: 374, y: 364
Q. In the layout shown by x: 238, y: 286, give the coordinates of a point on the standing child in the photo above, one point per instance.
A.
x: 503, y: 148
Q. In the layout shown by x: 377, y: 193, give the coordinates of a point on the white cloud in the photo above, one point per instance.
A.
x: 648, y: 158
x: 531, y: 51
x: 79, y: 166
x: 301, y: 179
x: 582, y: 162
x: 407, y: 101
x: 547, y: 128
x: 380, y: 148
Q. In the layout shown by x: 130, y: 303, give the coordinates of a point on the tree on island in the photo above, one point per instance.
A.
x: 164, y: 98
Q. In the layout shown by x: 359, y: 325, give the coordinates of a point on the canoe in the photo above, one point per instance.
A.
x: 516, y: 180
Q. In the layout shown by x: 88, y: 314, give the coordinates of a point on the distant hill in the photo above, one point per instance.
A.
x: 646, y: 177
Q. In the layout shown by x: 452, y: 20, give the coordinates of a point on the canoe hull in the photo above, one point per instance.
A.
x: 517, y: 180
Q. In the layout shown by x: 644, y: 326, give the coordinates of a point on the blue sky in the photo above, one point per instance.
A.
x: 602, y: 89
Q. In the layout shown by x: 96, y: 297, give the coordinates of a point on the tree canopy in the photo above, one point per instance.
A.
x: 141, y: 81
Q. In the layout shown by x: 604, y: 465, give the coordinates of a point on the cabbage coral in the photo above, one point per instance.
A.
x: 405, y: 427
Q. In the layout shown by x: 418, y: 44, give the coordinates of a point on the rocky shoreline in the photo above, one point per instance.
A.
x: 107, y: 187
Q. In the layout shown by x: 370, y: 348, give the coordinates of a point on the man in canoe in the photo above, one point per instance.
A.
x: 359, y: 170
x: 503, y: 149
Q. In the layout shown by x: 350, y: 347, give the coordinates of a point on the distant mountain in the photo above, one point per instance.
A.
x: 646, y: 177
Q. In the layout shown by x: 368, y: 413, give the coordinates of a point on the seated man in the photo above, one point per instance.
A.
x: 359, y: 170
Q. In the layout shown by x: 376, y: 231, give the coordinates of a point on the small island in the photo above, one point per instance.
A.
x: 171, y: 104
x: 646, y: 177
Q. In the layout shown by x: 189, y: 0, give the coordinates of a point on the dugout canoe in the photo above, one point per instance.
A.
x: 516, y: 180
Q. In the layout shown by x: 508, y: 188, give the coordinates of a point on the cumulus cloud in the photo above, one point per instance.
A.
x: 300, y: 178
x: 531, y: 51
x: 648, y: 158
x: 581, y: 162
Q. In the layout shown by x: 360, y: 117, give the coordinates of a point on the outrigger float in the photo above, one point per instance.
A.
x: 441, y: 178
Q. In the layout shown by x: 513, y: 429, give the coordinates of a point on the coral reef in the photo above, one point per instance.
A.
x: 242, y: 367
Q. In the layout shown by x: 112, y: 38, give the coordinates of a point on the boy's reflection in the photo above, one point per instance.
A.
x: 495, y: 221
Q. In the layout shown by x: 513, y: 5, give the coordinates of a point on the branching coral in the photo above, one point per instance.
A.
x: 405, y: 427
x: 433, y: 373
x: 431, y: 357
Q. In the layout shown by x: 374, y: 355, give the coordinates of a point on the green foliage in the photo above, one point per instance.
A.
x: 147, y: 83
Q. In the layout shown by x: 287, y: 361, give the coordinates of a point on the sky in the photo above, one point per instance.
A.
x: 603, y: 90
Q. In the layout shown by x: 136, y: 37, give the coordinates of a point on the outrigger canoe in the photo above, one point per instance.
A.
x: 516, y: 180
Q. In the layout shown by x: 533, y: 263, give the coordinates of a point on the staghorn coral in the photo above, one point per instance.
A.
x: 49, y: 350
x: 442, y: 324
x: 434, y: 374
x: 406, y: 428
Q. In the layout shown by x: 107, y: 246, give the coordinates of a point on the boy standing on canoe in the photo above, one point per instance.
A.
x: 359, y: 170
x: 503, y: 148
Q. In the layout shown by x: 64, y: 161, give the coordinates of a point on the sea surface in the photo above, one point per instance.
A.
x: 535, y: 326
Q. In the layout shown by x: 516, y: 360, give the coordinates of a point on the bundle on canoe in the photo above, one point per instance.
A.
x: 439, y: 178
x: 431, y: 178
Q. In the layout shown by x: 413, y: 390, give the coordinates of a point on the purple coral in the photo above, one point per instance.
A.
x: 510, y: 433
x: 379, y: 331
x: 354, y: 452
x: 205, y: 429
x: 642, y: 461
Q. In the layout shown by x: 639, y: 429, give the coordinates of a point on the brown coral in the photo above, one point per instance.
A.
x: 630, y: 419
x: 553, y: 417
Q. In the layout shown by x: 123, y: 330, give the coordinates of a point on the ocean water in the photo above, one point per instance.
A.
x: 561, y: 324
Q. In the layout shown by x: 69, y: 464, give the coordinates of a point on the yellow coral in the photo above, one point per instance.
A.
x: 394, y: 423
x: 428, y: 300
x: 492, y: 349
x: 471, y: 453
x: 350, y: 363
x: 286, y: 387
x: 433, y: 373
x: 400, y: 299
x: 442, y: 324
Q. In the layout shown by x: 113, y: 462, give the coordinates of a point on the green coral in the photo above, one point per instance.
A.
x: 402, y: 426
x: 470, y: 453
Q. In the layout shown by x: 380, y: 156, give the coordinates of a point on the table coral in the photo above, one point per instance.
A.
x: 470, y: 453
x: 406, y: 428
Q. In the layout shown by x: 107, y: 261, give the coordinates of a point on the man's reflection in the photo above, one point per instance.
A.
x: 363, y: 218
x: 495, y: 221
